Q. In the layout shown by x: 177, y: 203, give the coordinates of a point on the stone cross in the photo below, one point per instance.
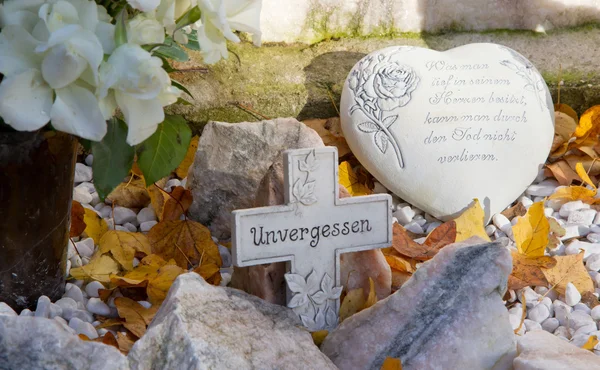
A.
x: 310, y: 231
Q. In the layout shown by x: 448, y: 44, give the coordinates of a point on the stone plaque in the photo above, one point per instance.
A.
x: 310, y: 231
x: 441, y: 128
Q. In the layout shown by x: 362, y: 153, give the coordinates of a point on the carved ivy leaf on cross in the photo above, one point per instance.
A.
x: 381, y: 139
x: 328, y: 291
x: 304, y: 192
x: 301, y: 288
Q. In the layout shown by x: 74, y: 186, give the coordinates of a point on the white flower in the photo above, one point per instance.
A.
x: 218, y: 21
x: 169, y: 11
x: 144, y: 29
x: 141, y: 88
x: 48, y: 76
x: 144, y: 5
x: 20, y: 12
x: 70, y: 51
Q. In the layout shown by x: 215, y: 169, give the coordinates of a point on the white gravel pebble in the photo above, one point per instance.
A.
x: 593, y: 237
x: 82, y: 327
x: 6, y: 310
x: 582, y: 216
x: 146, y: 226
x: 531, y: 325
x: 89, y: 159
x: 404, y: 215
x: 432, y: 226
x: 562, y: 331
x: 577, y: 319
x: 414, y: 227
x: 68, y: 306
x: 575, y: 231
x: 490, y: 229
x: 515, y: 321
x: 525, y: 201
x: 82, y: 314
x: 561, y: 311
x: 538, y: 313
x: 225, y: 255
x: 106, y: 212
x: 582, y: 307
x: 500, y: 221
x: 54, y: 311
x: 569, y: 207
x: 146, y: 304
x: 43, y: 307
x: 171, y: 184
x: 595, y: 229
x: 92, y: 289
x: 123, y: 215
x: 146, y: 214
x: 548, y: 212
x: 572, y: 295
x: 82, y: 196
x: 95, y: 199
x: 586, y: 329
x: 136, y: 262
x: 592, y: 263
x: 543, y: 189
x: 595, y: 313
x: 589, y: 248
x: 131, y: 227
x: 95, y: 305
x: 531, y: 297
x: 73, y: 291
x: 85, y: 247
x: 87, y: 186
x: 62, y: 322
x: 550, y: 324
x: 82, y: 173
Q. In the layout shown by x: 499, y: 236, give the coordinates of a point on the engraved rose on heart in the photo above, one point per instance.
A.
x: 381, y: 85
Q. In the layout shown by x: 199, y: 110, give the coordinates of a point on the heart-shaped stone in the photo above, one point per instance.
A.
x: 442, y: 128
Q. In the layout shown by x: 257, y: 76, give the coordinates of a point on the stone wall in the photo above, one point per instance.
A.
x: 314, y: 20
x: 305, y: 81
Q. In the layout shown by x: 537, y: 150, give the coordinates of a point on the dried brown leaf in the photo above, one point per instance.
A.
x: 404, y: 245
x: 563, y: 173
x: 569, y: 269
x: 527, y: 271
x: 137, y: 317
x: 77, y: 222
x: 176, y: 204
x: 441, y: 236
x: 182, y: 170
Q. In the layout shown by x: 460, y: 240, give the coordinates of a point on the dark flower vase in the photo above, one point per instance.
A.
x: 36, y: 189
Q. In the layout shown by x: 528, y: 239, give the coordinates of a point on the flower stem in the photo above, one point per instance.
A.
x: 391, y: 137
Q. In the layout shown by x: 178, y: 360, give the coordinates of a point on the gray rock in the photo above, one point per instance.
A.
x: 540, y: 350
x: 200, y: 326
x: 232, y: 160
x: 449, y: 315
x: 82, y: 327
x: 83, y: 173
x: 146, y: 226
x: 39, y: 343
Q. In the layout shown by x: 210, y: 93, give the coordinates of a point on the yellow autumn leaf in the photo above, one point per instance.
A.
x: 99, y: 268
x: 564, y: 125
x: 391, y: 363
x: 531, y: 231
x: 584, y: 176
x: 350, y: 181
x: 159, y: 286
x: 372, y: 298
x: 123, y: 246
x: 571, y: 193
x: 589, y: 124
x: 569, y: 269
x: 130, y: 194
x: 95, y: 225
x: 184, y: 166
x: 471, y: 223
x: 591, y: 343
x: 353, y: 302
x: 137, y: 317
x: 319, y: 336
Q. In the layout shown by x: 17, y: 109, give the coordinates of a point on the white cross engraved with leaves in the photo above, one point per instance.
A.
x: 380, y: 85
x: 316, y: 307
x: 304, y: 187
x: 524, y: 68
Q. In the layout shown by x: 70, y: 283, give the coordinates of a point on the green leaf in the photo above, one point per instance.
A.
x: 178, y: 85
x: 86, y: 144
x: 171, y: 50
x: 193, y: 43
x: 113, y: 158
x: 121, y: 28
x: 162, y: 152
x: 191, y: 16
